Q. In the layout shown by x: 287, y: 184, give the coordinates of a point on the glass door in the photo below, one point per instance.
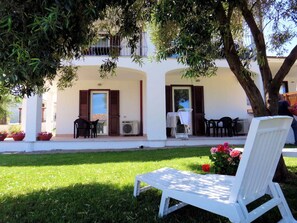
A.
x: 182, y: 98
x: 99, y: 110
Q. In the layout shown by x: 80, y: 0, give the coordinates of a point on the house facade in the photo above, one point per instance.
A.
x: 136, y: 101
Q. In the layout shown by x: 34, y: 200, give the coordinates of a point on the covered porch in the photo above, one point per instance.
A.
x: 105, y: 143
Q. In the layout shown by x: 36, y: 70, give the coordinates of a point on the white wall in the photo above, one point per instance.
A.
x: 68, y: 101
x: 223, y: 95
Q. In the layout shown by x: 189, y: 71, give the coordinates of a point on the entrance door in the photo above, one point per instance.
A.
x: 99, y: 110
x: 182, y: 98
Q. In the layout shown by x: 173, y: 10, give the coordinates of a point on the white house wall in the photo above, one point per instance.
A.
x: 223, y: 95
x: 68, y: 101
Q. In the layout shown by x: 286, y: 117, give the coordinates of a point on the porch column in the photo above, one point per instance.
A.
x: 49, y: 111
x: 32, y: 121
x: 155, y: 95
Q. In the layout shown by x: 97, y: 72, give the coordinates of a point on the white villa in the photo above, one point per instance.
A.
x: 139, y: 96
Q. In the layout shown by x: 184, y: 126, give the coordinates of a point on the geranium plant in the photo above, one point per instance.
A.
x: 225, y: 160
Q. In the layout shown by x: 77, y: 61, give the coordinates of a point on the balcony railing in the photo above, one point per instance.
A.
x: 115, y: 44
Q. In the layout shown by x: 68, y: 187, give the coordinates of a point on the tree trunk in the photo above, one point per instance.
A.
x: 260, y: 106
x: 281, y: 173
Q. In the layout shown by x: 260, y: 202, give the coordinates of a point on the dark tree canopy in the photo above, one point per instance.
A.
x: 36, y: 36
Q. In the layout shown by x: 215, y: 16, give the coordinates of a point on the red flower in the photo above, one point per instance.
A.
x: 206, y: 167
x: 221, y: 149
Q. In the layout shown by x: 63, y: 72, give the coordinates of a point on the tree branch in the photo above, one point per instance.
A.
x: 285, y: 67
x: 259, y: 40
x: 242, y: 75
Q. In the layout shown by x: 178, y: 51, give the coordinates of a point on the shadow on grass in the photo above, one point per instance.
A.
x: 94, y: 203
x: 100, y: 157
x: 100, y: 203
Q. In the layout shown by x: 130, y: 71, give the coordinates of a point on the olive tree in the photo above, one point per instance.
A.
x: 200, y: 32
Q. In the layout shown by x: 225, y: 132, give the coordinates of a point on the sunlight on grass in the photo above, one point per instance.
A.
x: 94, y: 187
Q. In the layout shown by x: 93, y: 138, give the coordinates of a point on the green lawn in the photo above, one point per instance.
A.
x: 98, y: 187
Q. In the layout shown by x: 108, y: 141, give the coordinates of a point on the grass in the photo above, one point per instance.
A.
x: 98, y: 187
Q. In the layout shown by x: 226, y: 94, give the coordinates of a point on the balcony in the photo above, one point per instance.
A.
x: 115, y: 44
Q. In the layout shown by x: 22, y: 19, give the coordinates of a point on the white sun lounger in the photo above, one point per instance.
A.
x: 229, y: 195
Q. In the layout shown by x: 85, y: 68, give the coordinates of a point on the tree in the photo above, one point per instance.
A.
x: 38, y: 37
x: 202, y: 31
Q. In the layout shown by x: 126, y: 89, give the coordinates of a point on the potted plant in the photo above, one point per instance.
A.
x: 44, y: 136
x: 3, y: 135
x: 18, y: 136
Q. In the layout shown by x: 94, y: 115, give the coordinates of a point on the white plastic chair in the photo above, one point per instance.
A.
x: 184, y: 115
x: 229, y: 195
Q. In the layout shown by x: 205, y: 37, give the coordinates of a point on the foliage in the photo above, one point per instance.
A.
x: 36, y: 37
x: 6, y: 101
x: 91, y: 187
x: 199, y: 32
x: 17, y: 134
x: 14, y: 129
x: 3, y: 132
x: 225, y: 160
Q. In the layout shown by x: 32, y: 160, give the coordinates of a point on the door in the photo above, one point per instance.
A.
x: 99, y: 109
x: 182, y: 98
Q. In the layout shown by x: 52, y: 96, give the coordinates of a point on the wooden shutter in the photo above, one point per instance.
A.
x: 198, y: 110
x: 84, y: 108
x: 114, y: 113
x: 168, y: 95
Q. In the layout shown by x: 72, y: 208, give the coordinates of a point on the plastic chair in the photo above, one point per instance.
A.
x: 94, y: 128
x: 234, y: 126
x: 185, y: 120
x: 81, y: 128
x: 224, y: 126
x: 210, y: 125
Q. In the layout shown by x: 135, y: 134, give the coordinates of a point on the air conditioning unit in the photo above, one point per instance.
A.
x: 130, y: 127
x: 243, y: 126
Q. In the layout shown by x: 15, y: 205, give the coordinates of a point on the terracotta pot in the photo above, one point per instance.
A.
x: 18, y: 137
x: 2, y: 137
x: 45, y: 137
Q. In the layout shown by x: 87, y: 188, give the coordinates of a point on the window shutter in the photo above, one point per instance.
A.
x: 84, y: 108
x: 198, y: 110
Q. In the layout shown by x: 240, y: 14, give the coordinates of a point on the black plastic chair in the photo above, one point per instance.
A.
x: 235, y: 126
x: 94, y: 128
x: 81, y: 128
x: 210, y: 124
x: 224, y: 126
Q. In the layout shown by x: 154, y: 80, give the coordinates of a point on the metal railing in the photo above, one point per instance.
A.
x: 117, y: 45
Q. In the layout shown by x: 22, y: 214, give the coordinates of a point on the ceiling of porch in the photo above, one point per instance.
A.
x: 92, y: 73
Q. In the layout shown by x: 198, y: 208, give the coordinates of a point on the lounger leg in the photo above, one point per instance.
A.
x: 284, y: 207
x: 164, y: 204
x: 136, y: 188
